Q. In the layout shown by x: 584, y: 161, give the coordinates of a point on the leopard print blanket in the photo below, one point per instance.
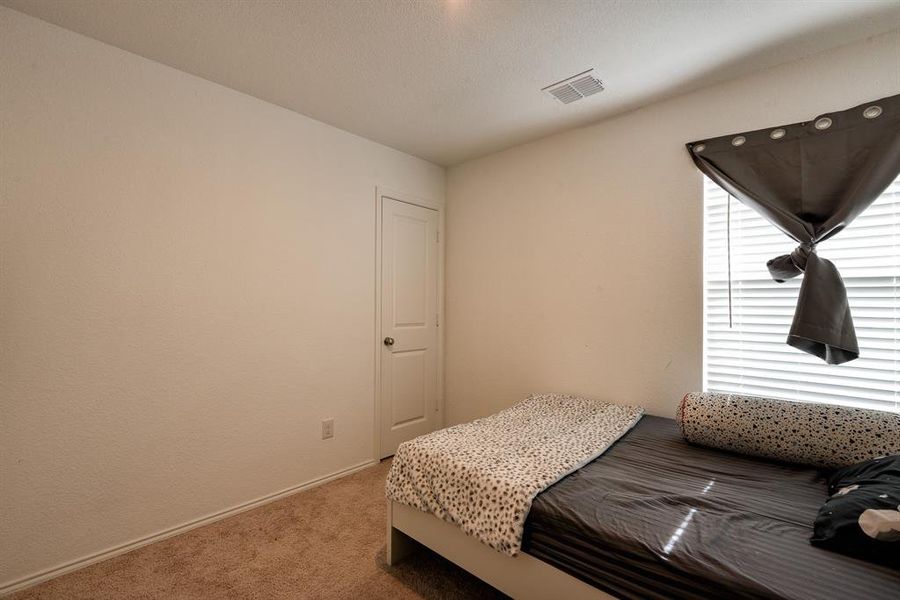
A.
x: 483, y: 475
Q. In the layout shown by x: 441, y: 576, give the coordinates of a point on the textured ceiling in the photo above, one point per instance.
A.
x: 453, y: 79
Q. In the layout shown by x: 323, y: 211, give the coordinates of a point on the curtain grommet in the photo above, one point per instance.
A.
x: 872, y: 112
x: 777, y: 134
x: 823, y: 123
x: 699, y: 148
x: 738, y: 141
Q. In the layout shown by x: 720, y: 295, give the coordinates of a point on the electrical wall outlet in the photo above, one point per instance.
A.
x: 327, y: 428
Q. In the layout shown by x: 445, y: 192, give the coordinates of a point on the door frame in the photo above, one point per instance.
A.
x: 380, y: 193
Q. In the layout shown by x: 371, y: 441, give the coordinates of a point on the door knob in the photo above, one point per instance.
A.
x: 388, y: 341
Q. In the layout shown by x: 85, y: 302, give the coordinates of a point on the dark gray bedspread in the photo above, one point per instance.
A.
x: 655, y: 517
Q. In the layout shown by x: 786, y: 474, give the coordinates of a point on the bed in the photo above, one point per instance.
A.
x: 656, y: 517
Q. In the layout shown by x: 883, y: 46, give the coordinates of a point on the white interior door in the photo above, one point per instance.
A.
x: 409, y: 321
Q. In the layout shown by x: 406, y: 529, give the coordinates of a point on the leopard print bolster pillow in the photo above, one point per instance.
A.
x: 798, y: 432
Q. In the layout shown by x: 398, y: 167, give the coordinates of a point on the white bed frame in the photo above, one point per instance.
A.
x: 521, y: 577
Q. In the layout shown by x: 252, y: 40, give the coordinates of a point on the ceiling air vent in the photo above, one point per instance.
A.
x: 575, y: 87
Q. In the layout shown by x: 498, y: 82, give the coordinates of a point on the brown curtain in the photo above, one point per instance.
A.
x: 811, y: 180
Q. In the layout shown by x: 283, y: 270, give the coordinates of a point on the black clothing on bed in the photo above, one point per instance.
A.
x: 862, y: 515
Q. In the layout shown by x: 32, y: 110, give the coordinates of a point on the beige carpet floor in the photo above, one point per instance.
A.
x: 327, y: 542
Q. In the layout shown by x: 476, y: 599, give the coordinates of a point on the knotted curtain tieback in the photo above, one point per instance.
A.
x: 788, y: 266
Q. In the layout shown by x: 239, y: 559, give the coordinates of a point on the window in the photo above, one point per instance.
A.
x: 750, y: 356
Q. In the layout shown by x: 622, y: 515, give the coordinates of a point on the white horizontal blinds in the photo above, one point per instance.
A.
x: 751, y: 357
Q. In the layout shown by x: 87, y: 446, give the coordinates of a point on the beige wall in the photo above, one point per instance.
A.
x: 574, y: 262
x: 186, y: 290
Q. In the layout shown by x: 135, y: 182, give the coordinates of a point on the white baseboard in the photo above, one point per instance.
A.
x: 41, y: 576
